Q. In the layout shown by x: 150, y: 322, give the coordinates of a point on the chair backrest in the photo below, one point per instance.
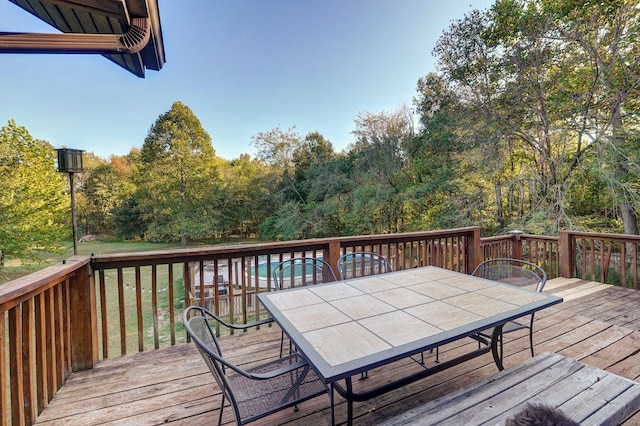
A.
x: 302, y: 271
x: 260, y: 390
x: 516, y: 272
x: 198, y: 324
x: 362, y: 263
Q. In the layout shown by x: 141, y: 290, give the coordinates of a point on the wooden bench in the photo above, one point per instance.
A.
x: 587, y: 395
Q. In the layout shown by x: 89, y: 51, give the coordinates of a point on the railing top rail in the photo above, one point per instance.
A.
x: 522, y: 237
x: 14, y: 292
x: 408, y: 236
x: 109, y: 261
x: 596, y: 236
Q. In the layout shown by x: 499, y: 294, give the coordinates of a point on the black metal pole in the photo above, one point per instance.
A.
x: 73, y: 214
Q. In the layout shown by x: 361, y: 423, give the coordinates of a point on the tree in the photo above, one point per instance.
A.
x: 177, y: 178
x: 276, y: 148
x: 545, y: 85
x: 34, y: 210
x: 245, y: 196
x: 380, y: 169
x: 103, y: 187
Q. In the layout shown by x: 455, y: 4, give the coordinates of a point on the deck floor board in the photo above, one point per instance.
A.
x: 598, y: 325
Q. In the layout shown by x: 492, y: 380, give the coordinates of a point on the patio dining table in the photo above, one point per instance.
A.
x: 349, y: 327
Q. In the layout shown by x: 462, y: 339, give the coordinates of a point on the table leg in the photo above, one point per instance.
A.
x: 496, y: 339
x: 331, y: 401
x: 349, y: 401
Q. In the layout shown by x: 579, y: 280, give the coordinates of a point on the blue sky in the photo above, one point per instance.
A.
x: 242, y: 66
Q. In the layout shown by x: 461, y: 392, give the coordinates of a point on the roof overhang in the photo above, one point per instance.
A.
x: 128, y: 32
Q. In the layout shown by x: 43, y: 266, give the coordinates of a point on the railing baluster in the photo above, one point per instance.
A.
x: 140, y: 325
x: 51, y: 342
x: 103, y: 314
x: 634, y: 264
x: 154, y: 306
x: 66, y: 307
x: 4, y: 377
x: 623, y: 265
x: 60, y: 335
x: 41, y: 351
x: 15, y: 365
x: 172, y: 307
x: 122, y: 316
x: 28, y: 366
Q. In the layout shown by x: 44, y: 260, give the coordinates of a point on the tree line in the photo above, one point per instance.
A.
x: 529, y: 122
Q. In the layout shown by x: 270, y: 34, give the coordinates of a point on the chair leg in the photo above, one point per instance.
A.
x: 531, y: 334
x: 221, y: 410
x: 531, y: 340
x: 281, y: 343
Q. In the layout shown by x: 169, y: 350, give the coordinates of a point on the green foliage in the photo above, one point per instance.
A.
x: 34, y: 209
x: 177, y: 179
x: 530, y: 122
x: 103, y: 188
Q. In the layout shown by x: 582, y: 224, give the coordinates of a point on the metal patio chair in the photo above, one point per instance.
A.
x: 260, y: 390
x: 518, y: 273
x: 361, y: 264
x: 301, y: 271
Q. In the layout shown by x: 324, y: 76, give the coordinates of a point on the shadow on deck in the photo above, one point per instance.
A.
x: 597, y: 324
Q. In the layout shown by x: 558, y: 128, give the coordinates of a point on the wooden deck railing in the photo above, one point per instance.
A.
x: 541, y: 250
x: 65, y: 317
x: 607, y: 258
x: 47, y: 330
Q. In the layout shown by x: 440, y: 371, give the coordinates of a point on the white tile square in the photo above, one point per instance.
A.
x: 345, y: 342
x: 362, y: 306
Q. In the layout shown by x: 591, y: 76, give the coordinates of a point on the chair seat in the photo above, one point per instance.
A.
x: 256, y: 397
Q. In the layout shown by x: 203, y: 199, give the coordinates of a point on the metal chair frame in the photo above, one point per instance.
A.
x: 258, y: 391
x: 319, y: 272
x: 519, y: 273
x: 362, y: 263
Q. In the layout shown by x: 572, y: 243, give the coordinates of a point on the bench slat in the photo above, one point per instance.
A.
x: 584, y: 393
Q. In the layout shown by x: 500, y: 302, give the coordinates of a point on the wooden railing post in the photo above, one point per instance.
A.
x: 567, y: 255
x: 332, y: 254
x: 84, y: 323
x: 474, y: 250
x: 516, y: 244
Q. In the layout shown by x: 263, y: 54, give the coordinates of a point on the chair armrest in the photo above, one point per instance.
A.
x: 207, y: 313
x: 278, y: 371
x: 248, y: 325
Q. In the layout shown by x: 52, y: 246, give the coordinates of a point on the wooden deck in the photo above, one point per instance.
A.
x: 597, y: 324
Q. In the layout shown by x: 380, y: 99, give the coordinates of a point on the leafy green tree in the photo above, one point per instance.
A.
x: 542, y: 87
x: 178, y: 178
x: 102, y: 188
x: 34, y: 210
x: 245, y: 195
x: 276, y: 148
x: 380, y: 170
